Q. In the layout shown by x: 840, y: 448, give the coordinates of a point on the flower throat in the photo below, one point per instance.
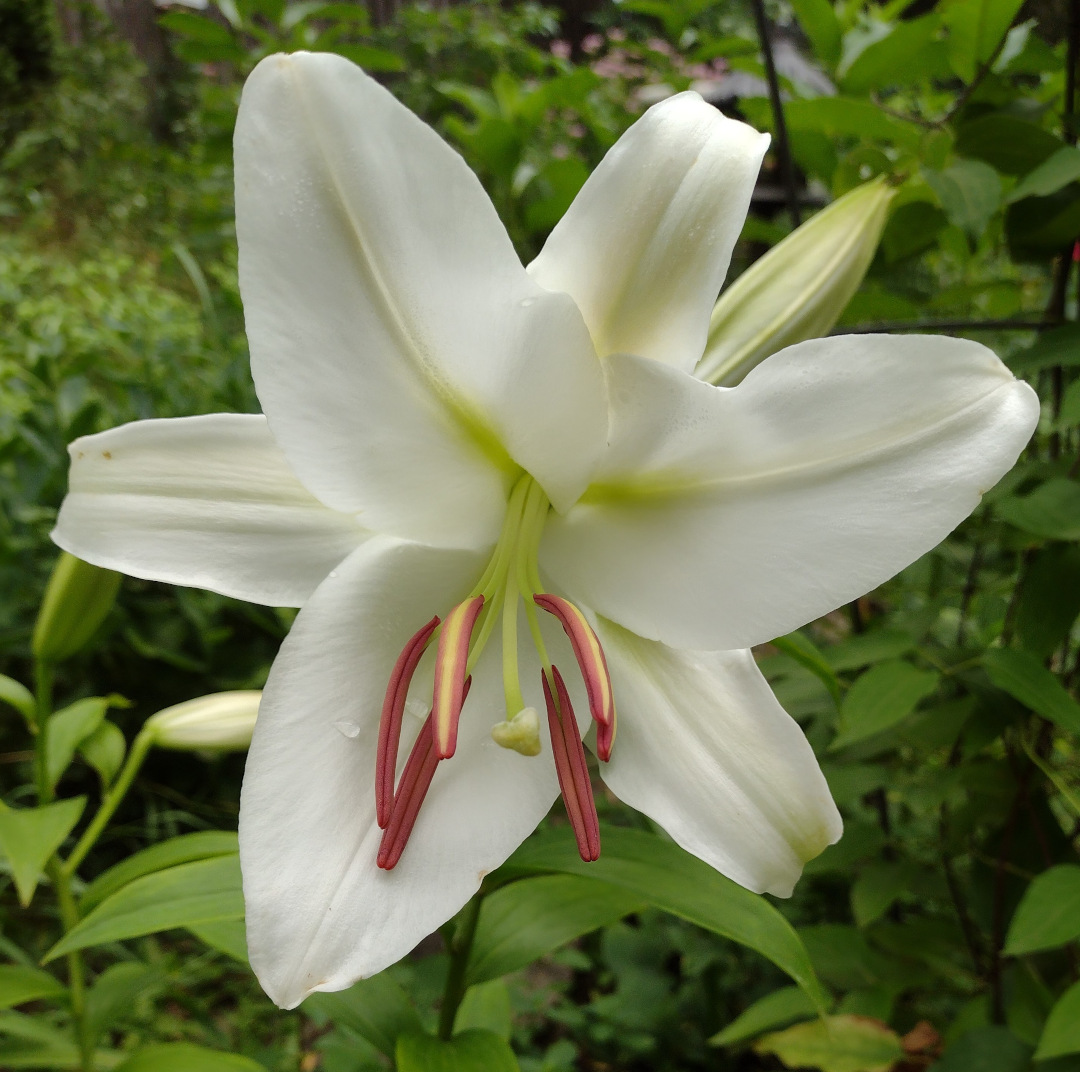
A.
x: 511, y: 578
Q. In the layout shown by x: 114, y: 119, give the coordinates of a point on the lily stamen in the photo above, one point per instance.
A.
x: 397, y: 692
x: 450, y: 671
x: 571, y: 768
x: 593, y: 665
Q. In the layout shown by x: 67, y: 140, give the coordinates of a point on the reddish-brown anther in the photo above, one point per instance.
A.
x: 572, y: 769
x: 397, y: 692
x: 593, y: 665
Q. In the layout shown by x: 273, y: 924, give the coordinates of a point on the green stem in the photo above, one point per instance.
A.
x: 69, y: 917
x: 460, y: 948
x: 43, y: 683
x: 110, y: 802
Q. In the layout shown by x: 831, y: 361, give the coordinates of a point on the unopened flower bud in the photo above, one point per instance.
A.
x: 799, y: 289
x: 77, y: 599
x: 220, y: 722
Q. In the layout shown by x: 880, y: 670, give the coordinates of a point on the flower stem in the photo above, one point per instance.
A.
x: 460, y: 949
x: 43, y: 683
x: 69, y: 917
x: 110, y: 802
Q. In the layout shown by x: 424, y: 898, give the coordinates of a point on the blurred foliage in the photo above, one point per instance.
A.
x: 942, y: 706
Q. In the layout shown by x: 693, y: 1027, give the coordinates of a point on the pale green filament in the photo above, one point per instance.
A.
x: 511, y: 575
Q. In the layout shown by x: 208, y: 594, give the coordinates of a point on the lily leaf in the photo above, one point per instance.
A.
x: 377, y: 1009
x: 1049, y: 913
x: 670, y: 879
x: 471, y: 1051
x: 29, y: 836
x: 197, y: 892
x: 19, y: 983
x: 186, y: 1057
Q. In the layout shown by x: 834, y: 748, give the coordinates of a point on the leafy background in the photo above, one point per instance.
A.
x: 944, y: 927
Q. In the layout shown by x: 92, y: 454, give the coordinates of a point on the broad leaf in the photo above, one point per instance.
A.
x: 486, y: 1006
x: 670, y: 879
x: 772, y: 1011
x: 820, y: 24
x: 836, y: 1044
x: 377, y: 1009
x: 976, y: 29
x: 1048, y: 916
x: 531, y: 917
x: 29, y: 836
x: 1051, y: 511
x: 186, y: 1057
x: 471, y: 1051
x: 902, y: 57
x: 178, y: 850
x: 1050, y: 176
x: 806, y: 653
x: 1049, y: 598
x: 986, y: 1049
x: 104, y: 750
x: 1061, y: 1035
x: 31, y: 1042
x: 228, y: 936
x: 198, y: 892
x: 114, y: 993
x: 969, y: 192
x: 877, y: 888
x: 1024, y: 678
x: 19, y: 983
x: 18, y: 696
x: 880, y: 698
x: 68, y: 729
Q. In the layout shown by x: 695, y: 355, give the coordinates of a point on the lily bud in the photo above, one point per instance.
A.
x: 77, y: 599
x: 220, y: 722
x: 799, y: 289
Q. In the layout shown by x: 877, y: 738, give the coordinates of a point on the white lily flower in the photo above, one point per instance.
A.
x: 449, y: 436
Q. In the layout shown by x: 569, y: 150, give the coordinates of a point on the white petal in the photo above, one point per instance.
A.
x: 645, y: 246
x: 401, y: 352
x: 320, y: 914
x: 208, y: 502
x: 724, y: 517
x: 705, y: 750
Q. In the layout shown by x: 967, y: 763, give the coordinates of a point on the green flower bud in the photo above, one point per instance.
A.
x: 799, y: 289
x: 220, y: 722
x: 77, y: 599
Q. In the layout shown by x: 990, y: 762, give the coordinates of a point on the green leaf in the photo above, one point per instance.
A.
x: 104, y: 750
x: 114, y: 993
x: 862, y: 649
x: 1069, y: 417
x: 529, y: 918
x: 68, y: 729
x: 1011, y: 145
x: 898, y: 58
x: 676, y: 882
x: 228, y: 936
x: 969, y: 192
x: 19, y: 983
x: 1049, y: 598
x: 198, y: 892
x: 1050, y: 176
x: 1061, y: 1035
x: 471, y: 1051
x: 880, y: 698
x: 377, y: 1009
x: 31, y: 1042
x: 976, y: 28
x: 196, y: 27
x: 836, y: 1044
x: 820, y: 24
x: 774, y: 1010
x: 1048, y: 915
x: 850, y: 116
x: 1024, y: 678
x: 877, y: 888
x: 1051, y: 511
x: 29, y: 836
x: 19, y: 696
x: 486, y: 1006
x: 1059, y: 346
x: 178, y: 850
x: 806, y: 653
x: 986, y: 1049
x: 186, y: 1057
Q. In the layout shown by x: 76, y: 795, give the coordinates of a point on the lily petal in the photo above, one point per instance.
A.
x: 407, y: 363
x: 645, y: 246
x: 707, y: 752
x: 724, y: 517
x: 208, y: 502
x: 320, y: 913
